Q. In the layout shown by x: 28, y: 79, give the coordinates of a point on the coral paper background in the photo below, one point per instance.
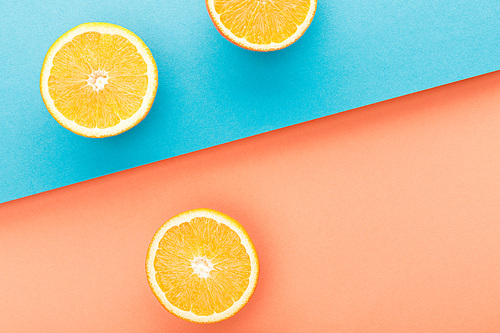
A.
x: 380, y: 219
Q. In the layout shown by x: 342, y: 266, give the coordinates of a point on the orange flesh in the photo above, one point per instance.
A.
x: 186, y: 289
x: 262, y: 22
x: 94, y: 55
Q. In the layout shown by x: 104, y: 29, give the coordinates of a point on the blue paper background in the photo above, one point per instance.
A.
x: 210, y: 92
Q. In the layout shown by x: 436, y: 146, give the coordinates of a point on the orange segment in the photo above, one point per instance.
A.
x: 212, y: 245
x: 98, y: 80
x: 262, y: 25
x: 118, y: 60
x: 202, y: 266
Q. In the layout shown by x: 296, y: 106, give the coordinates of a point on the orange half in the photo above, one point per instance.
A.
x: 98, y: 80
x: 262, y: 25
x: 202, y: 266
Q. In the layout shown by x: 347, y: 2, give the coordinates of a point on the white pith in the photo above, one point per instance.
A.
x: 245, y: 241
x: 202, y: 266
x: 124, y: 124
x: 98, y: 79
x: 262, y: 47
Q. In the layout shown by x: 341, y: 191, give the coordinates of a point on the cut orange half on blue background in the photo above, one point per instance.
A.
x: 98, y: 80
x: 262, y: 25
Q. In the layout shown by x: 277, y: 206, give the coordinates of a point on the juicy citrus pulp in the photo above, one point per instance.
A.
x: 262, y: 25
x: 98, y: 79
x: 202, y: 266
